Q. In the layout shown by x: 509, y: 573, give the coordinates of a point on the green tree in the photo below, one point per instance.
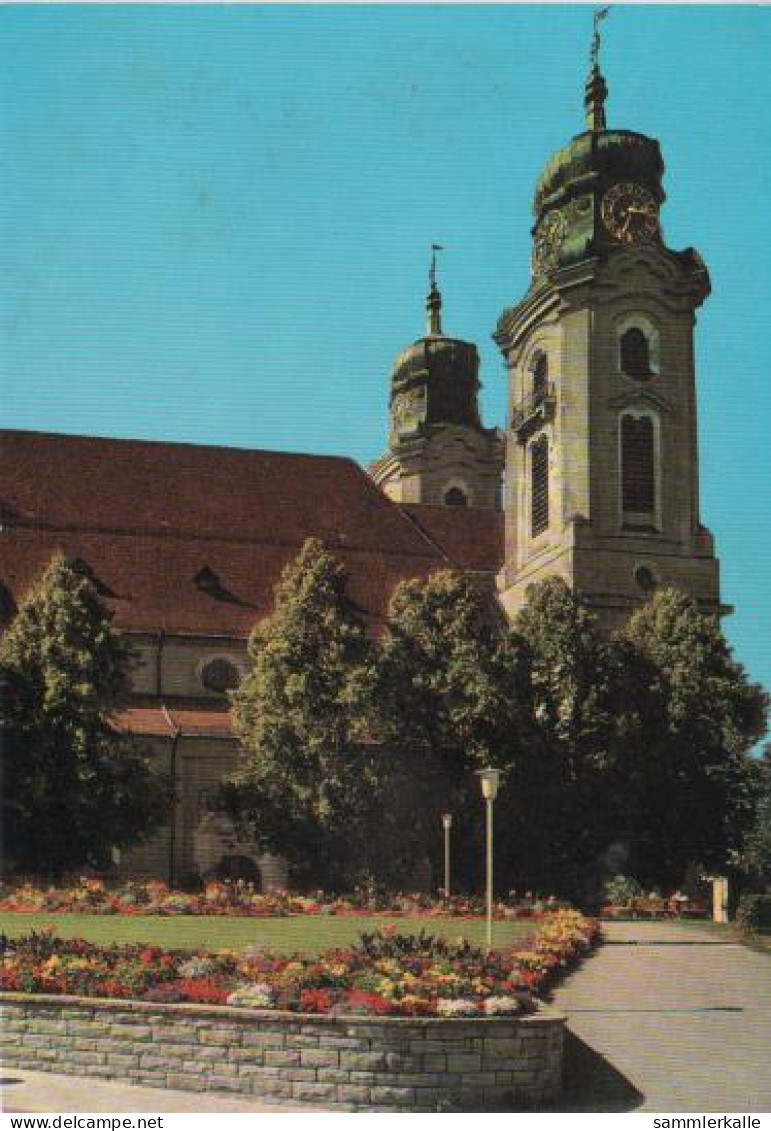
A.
x: 755, y: 857
x: 72, y: 786
x: 700, y: 793
x: 307, y: 781
x: 450, y: 696
x: 588, y: 713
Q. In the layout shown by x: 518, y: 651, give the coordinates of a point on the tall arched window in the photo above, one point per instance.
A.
x: 638, y: 467
x: 635, y: 354
x: 638, y: 344
x: 539, y: 486
x: 540, y: 374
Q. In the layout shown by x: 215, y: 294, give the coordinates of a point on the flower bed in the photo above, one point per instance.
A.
x: 655, y: 909
x: 93, y: 897
x: 385, y: 974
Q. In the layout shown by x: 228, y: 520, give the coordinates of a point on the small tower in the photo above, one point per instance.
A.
x: 601, y: 461
x: 438, y: 450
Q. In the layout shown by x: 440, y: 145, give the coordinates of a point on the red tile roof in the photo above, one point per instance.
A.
x: 147, y: 517
x: 157, y: 721
x: 472, y: 539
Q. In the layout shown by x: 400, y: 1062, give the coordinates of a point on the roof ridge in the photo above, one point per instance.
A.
x: 189, y: 444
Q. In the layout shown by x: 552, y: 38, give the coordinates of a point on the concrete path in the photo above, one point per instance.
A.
x: 668, y: 1018
x: 26, y: 1091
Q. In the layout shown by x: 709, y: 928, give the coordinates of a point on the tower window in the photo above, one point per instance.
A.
x: 539, y: 486
x: 635, y: 354
x: 540, y: 371
x: 455, y: 497
x: 638, y: 470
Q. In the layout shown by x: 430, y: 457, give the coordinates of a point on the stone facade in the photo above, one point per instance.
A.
x: 427, y: 469
x: 350, y: 1064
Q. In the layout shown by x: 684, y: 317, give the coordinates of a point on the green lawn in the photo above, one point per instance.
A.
x: 309, y: 932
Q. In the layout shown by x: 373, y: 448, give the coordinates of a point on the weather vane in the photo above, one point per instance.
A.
x: 600, y: 14
x: 432, y: 272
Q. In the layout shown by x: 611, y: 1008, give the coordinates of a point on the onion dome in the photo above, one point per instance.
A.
x: 601, y: 191
x: 435, y: 381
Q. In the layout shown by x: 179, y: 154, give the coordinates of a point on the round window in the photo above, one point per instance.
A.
x: 220, y: 675
x: 645, y: 578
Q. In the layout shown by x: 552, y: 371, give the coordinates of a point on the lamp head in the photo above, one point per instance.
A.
x: 489, y: 780
x: 447, y: 820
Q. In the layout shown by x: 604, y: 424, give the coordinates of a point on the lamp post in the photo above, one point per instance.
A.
x: 489, y: 779
x: 447, y: 822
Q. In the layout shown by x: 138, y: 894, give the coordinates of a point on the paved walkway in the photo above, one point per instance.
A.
x: 668, y: 1018
x: 26, y: 1091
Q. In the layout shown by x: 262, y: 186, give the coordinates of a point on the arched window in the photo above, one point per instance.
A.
x: 638, y: 466
x: 455, y: 497
x: 539, y: 486
x: 635, y: 354
x: 540, y: 372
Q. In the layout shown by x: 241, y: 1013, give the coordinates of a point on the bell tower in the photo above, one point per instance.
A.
x: 439, y: 452
x: 601, y: 451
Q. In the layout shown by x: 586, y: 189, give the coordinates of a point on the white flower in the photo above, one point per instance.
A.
x: 456, y: 1007
x: 492, y: 1005
x: 253, y: 995
x: 196, y: 967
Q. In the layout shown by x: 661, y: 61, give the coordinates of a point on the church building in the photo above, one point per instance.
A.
x: 594, y: 479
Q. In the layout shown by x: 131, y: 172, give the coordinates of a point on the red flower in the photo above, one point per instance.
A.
x: 202, y: 990
x: 315, y: 1001
x: 111, y: 987
x: 371, y: 1003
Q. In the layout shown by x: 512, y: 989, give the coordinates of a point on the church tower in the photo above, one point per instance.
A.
x: 601, y: 460
x: 438, y: 451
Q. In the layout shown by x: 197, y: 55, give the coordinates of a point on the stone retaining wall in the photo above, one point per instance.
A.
x: 354, y: 1063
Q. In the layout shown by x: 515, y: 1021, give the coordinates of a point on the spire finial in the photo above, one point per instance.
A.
x: 434, y: 300
x: 596, y: 91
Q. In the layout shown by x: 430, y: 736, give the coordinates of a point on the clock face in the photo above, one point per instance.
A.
x: 548, y: 238
x: 408, y: 410
x: 630, y: 213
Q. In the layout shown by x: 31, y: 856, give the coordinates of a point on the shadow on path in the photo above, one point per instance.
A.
x: 591, y: 1083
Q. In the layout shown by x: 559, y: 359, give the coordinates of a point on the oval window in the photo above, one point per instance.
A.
x: 220, y: 675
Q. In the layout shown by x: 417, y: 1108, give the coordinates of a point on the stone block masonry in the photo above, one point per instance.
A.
x: 423, y: 1064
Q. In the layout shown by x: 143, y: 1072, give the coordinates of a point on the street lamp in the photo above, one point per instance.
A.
x: 447, y: 822
x: 489, y: 779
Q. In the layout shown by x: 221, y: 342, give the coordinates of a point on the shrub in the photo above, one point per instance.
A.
x: 754, y: 913
x: 621, y: 890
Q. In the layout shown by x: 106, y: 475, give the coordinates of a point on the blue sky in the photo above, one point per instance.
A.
x: 215, y: 221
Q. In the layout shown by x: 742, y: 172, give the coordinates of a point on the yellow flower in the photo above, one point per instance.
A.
x: 387, y: 966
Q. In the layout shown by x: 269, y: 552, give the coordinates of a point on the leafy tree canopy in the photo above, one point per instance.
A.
x: 451, y: 683
x: 304, y: 785
x: 701, y: 785
x: 450, y: 696
x: 755, y: 857
x: 72, y: 786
